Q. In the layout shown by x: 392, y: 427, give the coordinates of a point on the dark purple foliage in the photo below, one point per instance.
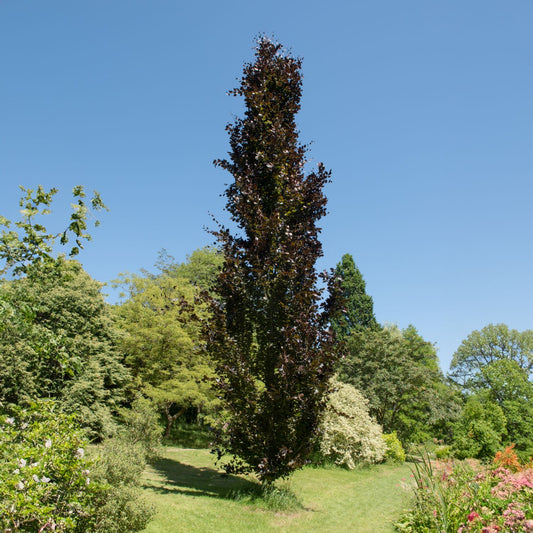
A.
x: 270, y: 335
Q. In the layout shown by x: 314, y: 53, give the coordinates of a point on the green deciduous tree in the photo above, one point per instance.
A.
x: 201, y: 268
x: 480, y: 429
x: 161, y: 324
x: 399, y: 374
x: 56, y: 338
x: 358, y: 311
x: 496, y: 363
x: 58, y: 341
x: 493, y: 343
x: 269, y: 339
x: 27, y: 242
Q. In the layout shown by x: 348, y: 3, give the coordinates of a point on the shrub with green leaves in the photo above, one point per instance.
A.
x: 119, y: 464
x: 480, y: 429
x: 46, y: 479
x: 349, y: 435
x: 394, y: 451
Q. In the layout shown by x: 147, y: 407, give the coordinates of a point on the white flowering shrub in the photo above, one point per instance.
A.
x: 349, y: 435
x: 45, y: 476
x: 48, y: 483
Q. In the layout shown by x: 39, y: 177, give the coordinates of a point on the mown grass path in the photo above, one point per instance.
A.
x: 190, y: 495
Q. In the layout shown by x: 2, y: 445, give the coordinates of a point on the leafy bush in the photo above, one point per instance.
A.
x: 46, y: 479
x: 48, y: 482
x: 119, y: 466
x: 141, y: 426
x: 394, y: 451
x: 479, y: 429
x: 466, y: 497
x: 443, y: 452
x: 349, y: 435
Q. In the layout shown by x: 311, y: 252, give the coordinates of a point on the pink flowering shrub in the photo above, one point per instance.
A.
x: 464, y: 497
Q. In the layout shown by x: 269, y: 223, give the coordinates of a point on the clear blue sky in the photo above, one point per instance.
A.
x: 422, y: 109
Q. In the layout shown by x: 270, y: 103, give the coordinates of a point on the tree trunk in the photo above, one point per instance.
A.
x: 171, y: 419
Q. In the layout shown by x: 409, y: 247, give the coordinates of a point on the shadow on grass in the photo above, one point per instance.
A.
x: 190, y: 480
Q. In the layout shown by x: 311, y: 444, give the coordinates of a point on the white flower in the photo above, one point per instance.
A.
x: 24, y: 426
x: 35, y: 478
x: 87, y: 481
x: 22, y: 463
x: 35, y: 464
x: 10, y: 421
x: 85, y: 472
x: 80, y: 452
x: 19, y: 485
x: 47, y: 443
x: 16, y: 471
x: 45, y: 479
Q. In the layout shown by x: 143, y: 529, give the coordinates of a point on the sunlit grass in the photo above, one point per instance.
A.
x: 191, y: 495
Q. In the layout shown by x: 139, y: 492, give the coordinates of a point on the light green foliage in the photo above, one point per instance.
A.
x: 31, y: 244
x: 397, y: 371
x: 358, y: 306
x: 119, y: 464
x: 495, y: 364
x: 140, y: 425
x: 349, y: 435
x: 480, y: 429
x: 161, y: 324
x: 201, y: 268
x: 443, y: 452
x: 394, y: 451
x: 490, y: 345
x: 57, y: 341
x: 121, y: 508
x: 46, y: 481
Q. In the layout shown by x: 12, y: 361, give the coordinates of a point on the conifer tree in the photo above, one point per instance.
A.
x: 269, y: 337
x: 358, y: 311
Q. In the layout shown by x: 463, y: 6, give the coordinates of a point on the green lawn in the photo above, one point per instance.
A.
x: 190, y: 495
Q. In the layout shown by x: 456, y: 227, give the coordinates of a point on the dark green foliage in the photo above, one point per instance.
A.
x: 358, y: 311
x: 268, y: 337
x: 398, y: 373
x: 58, y: 342
x: 480, y: 429
x: 56, y: 338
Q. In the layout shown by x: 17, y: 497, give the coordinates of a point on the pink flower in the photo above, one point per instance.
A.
x: 472, y: 516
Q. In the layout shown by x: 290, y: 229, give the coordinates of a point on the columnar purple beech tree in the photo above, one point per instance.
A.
x: 270, y: 337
